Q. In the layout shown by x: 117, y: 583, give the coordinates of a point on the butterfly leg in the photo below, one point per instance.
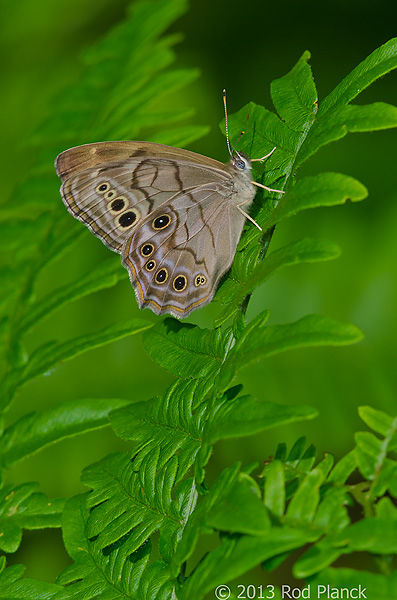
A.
x: 264, y: 157
x: 267, y: 188
x: 246, y: 215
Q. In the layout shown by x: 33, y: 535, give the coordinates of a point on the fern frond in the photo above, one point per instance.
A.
x: 126, y: 80
x: 23, y: 508
x: 14, y: 587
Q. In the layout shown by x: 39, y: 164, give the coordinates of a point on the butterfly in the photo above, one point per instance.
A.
x: 174, y: 216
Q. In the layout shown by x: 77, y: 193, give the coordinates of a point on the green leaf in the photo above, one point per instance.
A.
x: 295, y: 97
x: 127, y: 506
x: 21, y: 508
x: 332, y: 514
x: 332, y: 517
x: 274, y: 488
x: 197, y: 522
x: 236, y: 556
x: 312, y: 330
x: 111, y: 574
x: 22, y: 236
x: 372, y: 585
x: 372, y: 461
x: 105, y: 276
x: 263, y: 131
x: 50, y: 355
x: 318, y: 557
x: 343, y: 119
x: 15, y: 587
x: 344, y: 468
x: 241, y: 510
x: 246, y: 416
x: 381, y: 423
x: 296, y: 453
x: 186, y: 350
x: 304, y: 504
x: 123, y: 87
x: 37, y: 430
x: 377, y: 535
x: 164, y: 427
x: 378, y: 63
x: 239, y: 285
x: 326, y: 189
x: 371, y: 446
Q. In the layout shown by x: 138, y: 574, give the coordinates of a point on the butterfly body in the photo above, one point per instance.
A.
x: 170, y: 213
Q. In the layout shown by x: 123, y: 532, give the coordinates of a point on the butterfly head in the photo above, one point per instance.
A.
x: 241, y: 162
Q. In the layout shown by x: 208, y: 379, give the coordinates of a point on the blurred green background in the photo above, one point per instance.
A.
x: 242, y: 47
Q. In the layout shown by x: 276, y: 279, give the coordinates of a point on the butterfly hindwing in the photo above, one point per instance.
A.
x: 179, y: 253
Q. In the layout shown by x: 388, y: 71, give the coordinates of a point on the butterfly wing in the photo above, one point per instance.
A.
x: 170, y: 213
x: 87, y: 156
x: 112, y: 186
x: 177, y: 256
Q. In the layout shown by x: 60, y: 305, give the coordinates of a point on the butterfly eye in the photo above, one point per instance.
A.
x: 150, y: 265
x: 147, y: 249
x: 161, y: 276
x: 127, y: 219
x: 117, y: 205
x: 102, y: 187
x: 161, y: 222
x: 240, y: 164
x: 179, y: 283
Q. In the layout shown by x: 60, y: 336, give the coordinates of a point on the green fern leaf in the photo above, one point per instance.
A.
x: 49, y: 355
x: 108, y: 574
x: 245, y: 415
x: 169, y: 426
x: 35, y: 431
x: 106, y: 275
x: 240, y: 284
x: 15, y: 587
x: 303, y: 127
x: 186, y: 350
x: 22, y: 508
x: 121, y: 93
x: 374, y: 585
x: 373, y: 454
x: 235, y: 556
x: 313, y: 330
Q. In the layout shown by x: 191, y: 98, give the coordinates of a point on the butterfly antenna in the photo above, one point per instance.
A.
x: 227, y: 128
x: 239, y: 138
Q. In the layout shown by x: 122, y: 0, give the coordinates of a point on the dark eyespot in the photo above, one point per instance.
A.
x: 161, y: 276
x: 117, y: 205
x: 179, y: 283
x: 150, y: 265
x: 102, y: 187
x: 200, y: 280
x: 161, y: 222
x: 127, y: 219
x: 147, y: 249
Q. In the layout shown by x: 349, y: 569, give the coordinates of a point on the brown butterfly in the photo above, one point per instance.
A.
x: 174, y: 216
